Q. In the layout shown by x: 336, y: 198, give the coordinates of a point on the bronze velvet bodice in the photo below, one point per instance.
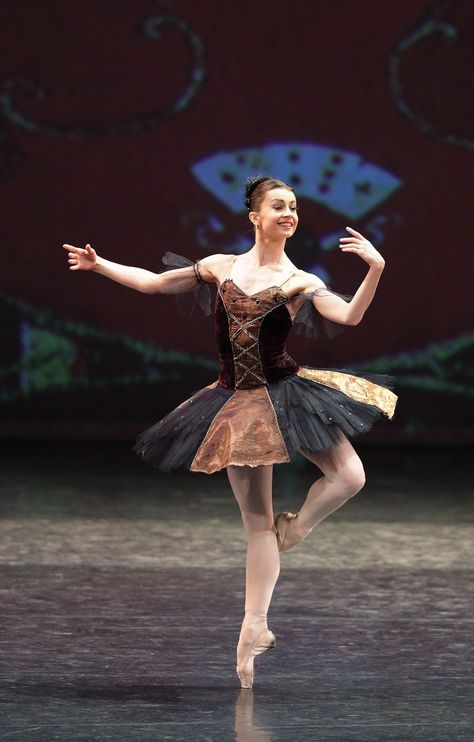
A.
x: 251, y: 332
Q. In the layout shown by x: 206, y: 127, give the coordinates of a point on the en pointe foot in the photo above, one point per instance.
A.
x: 248, y: 650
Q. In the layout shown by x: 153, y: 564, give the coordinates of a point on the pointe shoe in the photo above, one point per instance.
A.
x: 289, y: 530
x: 245, y: 670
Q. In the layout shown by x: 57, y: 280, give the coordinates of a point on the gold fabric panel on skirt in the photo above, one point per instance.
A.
x: 362, y: 390
x: 244, y: 432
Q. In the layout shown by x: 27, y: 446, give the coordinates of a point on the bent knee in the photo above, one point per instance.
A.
x: 352, y: 478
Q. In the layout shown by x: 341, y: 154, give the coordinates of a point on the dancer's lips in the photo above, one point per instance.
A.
x: 286, y: 224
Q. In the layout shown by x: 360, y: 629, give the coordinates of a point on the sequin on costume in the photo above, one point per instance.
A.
x: 263, y: 408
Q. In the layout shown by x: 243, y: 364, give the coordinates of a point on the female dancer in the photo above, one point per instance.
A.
x: 264, y: 408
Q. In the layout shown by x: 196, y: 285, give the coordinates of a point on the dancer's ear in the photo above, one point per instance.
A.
x: 254, y: 218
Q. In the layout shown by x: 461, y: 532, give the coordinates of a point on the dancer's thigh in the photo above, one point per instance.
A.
x: 252, y: 488
x: 341, y: 461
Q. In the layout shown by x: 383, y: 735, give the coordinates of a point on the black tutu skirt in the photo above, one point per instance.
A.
x: 310, y: 410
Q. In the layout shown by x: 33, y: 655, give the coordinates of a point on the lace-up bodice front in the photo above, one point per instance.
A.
x: 251, y: 333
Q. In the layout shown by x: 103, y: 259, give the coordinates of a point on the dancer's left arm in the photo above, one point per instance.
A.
x: 334, y: 308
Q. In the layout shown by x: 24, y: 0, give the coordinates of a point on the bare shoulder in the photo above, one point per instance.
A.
x: 215, y: 267
x: 307, y: 282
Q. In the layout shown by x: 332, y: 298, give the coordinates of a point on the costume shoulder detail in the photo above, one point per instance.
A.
x: 310, y: 323
x: 188, y: 298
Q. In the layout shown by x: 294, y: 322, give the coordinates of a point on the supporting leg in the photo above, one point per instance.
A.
x: 252, y: 487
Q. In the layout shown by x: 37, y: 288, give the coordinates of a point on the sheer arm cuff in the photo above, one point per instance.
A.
x: 187, y: 299
x: 310, y: 323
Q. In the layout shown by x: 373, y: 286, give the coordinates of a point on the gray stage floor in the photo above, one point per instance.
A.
x: 122, y: 595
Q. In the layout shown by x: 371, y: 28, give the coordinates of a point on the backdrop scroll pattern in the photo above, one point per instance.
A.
x: 449, y: 33
x: 152, y: 28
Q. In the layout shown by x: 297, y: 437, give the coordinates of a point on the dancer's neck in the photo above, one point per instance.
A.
x: 268, y: 252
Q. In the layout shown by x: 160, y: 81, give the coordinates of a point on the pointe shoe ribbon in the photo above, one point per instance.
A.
x: 289, y: 530
x: 245, y: 670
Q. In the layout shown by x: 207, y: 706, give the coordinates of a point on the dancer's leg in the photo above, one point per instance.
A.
x: 252, y: 487
x: 344, y: 476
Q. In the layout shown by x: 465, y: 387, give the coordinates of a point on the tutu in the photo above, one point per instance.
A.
x: 263, y: 408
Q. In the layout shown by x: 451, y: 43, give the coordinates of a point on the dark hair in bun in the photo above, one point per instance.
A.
x: 256, y: 187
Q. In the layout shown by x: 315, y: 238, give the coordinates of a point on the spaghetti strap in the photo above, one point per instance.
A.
x: 287, y: 279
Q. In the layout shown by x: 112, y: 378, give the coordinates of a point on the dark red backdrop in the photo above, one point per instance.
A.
x: 274, y: 72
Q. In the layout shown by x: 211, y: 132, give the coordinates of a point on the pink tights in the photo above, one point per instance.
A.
x: 252, y: 486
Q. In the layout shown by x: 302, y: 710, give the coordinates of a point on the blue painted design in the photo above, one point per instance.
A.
x: 341, y: 180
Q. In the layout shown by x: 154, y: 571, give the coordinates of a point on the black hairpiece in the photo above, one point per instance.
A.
x: 250, y: 185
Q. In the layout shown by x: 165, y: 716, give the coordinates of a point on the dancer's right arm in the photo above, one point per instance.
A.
x: 169, y: 282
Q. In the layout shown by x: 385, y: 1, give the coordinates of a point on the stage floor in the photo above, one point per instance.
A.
x: 122, y: 595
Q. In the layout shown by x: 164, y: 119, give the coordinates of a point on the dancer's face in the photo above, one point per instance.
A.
x: 278, y: 215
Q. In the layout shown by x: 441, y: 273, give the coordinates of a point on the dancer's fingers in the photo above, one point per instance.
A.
x: 75, y: 250
x: 350, y: 229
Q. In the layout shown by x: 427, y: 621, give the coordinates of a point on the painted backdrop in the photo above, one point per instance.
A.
x: 131, y: 125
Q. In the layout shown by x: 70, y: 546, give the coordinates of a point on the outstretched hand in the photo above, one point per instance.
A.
x: 362, y: 247
x: 81, y: 259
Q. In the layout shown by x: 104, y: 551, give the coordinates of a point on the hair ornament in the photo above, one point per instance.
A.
x: 250, y: 184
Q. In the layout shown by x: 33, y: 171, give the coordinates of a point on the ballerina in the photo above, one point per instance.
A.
x: 264, y: 408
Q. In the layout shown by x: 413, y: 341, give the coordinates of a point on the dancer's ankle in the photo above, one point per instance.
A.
x: 303, y: 526
x: 254, y: 618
